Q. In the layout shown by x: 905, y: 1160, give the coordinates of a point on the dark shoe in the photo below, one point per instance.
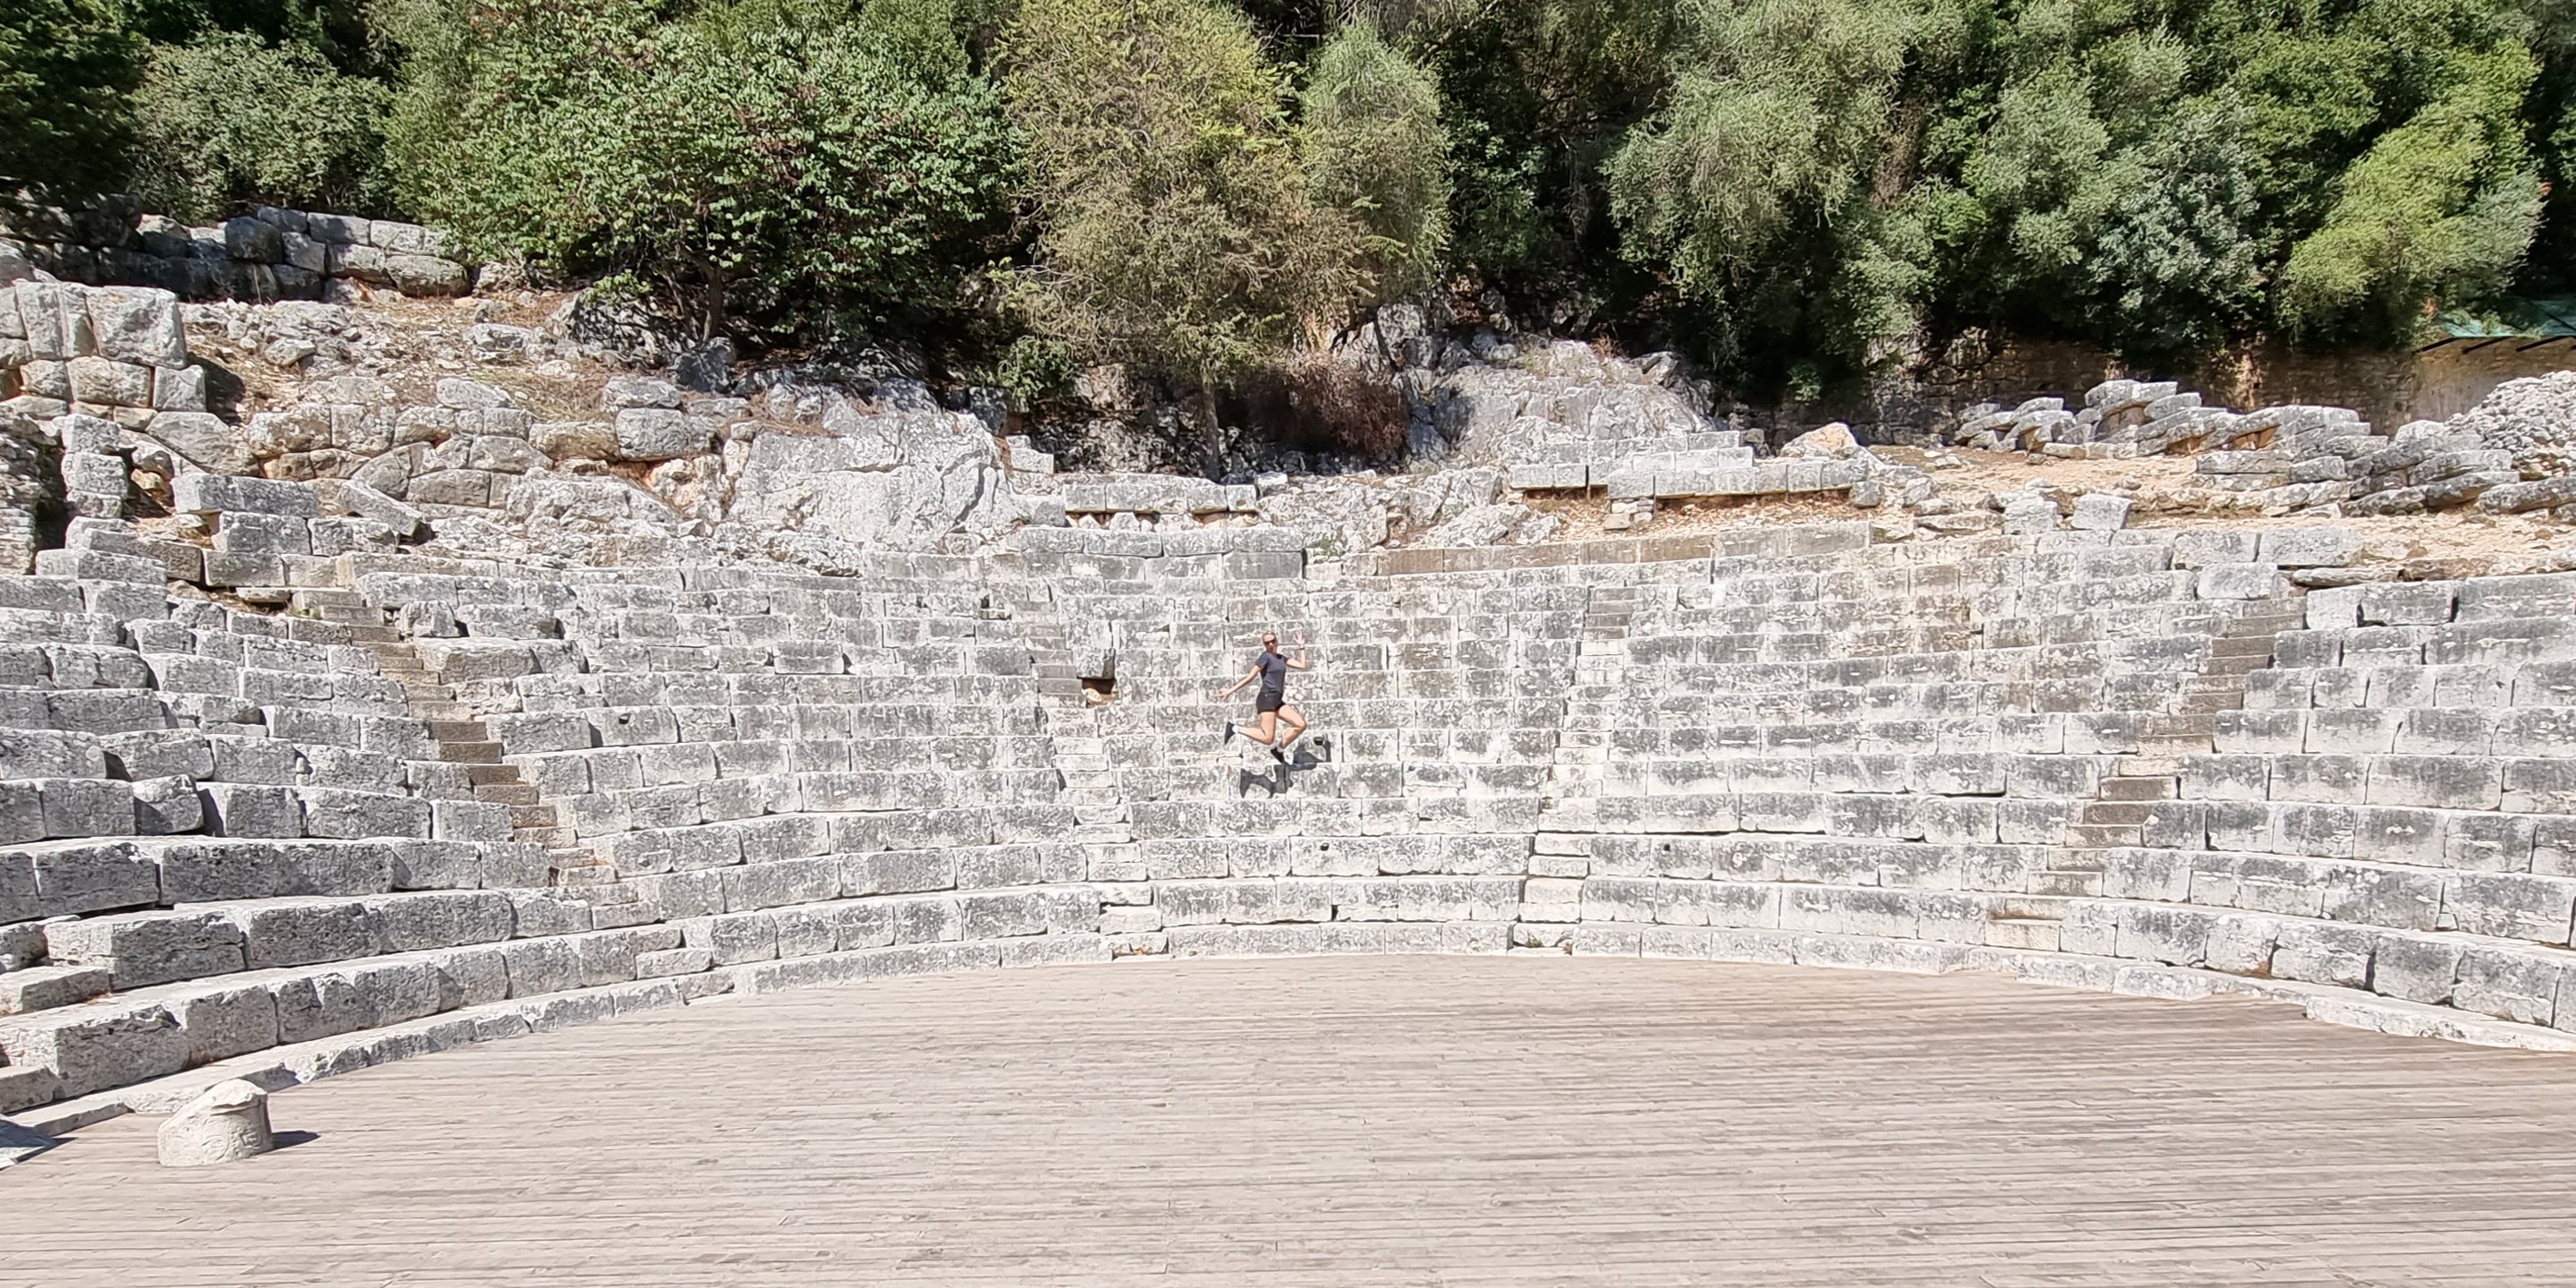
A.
x: 1229, y: 732
x: 1278, y: 755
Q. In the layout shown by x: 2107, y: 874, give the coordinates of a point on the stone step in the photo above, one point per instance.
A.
x: 460, y: 730
x: 2028, y: 907
x: 2140, y: 787
x: 2102, y: 835
x: 2194, y: 726
x: 2242, y: 646
x: 507, y: 793
x: 532, y: 817
x: 2077, y: 884
x: 40, y: 988
x: 2035, y: 934
x: 2268, y: 622
x: 2121, y: 814
x: 470, y: 753
x: 138, y: 952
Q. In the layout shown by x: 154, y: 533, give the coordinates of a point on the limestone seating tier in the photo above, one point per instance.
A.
x: 2260, y: 916
x: 1789, y: 745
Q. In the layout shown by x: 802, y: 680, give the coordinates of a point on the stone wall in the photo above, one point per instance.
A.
x: 270, y: 254
x: 2436, y: 382
x: 440, y: 801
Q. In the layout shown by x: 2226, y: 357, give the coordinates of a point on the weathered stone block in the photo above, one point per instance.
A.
x: 249, y: 809
x: 217, y: 493
x: 92, y: 1050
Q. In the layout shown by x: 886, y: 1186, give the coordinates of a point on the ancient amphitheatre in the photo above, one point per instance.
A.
x: 780, y: 833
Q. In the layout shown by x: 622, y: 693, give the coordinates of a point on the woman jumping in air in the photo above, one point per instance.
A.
x: 1271, y: 669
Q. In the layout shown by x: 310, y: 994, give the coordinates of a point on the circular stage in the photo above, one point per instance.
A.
x: 1369, y: 1121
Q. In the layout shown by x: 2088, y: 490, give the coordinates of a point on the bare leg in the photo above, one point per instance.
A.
x: 1296, y: 726
x: 1265, y: 732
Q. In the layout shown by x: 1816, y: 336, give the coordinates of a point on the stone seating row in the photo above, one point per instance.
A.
x: 1687, y: 879
x: 601, y: 812
x: 2286, y: 956
x: 2428, y: 603
x: 2495, y: 639
x: 1699, y: 698
x: 1893, y: 816
x: 481, y: 659
x: 193, y: 689
x: 1397, y: 780
x: 71, y: 808
x: 152, y: 1030
x: 553, y: 745
x: 2467, y: 684
x: 129, y: 951
x: 747, y: 690
x: 2474, y: 839
x: 2506, y: 905
x: 1761, y: 884
x: 2544, y: 783
x: 1260, y: 814
x: 2510, y: 980
x: 1846, y: 925
x: 294, y: 746
x: 1863, y: 774
x: 1195, y: 716
x: 1197, y: 745
x: 72, y: 877
x: 2085, y: 733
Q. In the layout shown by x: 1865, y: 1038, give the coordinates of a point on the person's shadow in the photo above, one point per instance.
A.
x: 1276, y: 780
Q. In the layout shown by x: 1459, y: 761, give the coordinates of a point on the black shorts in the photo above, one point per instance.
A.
x: 1269, y: 702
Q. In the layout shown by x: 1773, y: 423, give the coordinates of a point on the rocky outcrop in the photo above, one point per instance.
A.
x: 894, y: 472
x: 269, y: 254
x: 1486, y: 399
x: 2509, y: 454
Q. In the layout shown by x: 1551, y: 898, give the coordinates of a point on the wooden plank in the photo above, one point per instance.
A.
x: 1369, y: 1121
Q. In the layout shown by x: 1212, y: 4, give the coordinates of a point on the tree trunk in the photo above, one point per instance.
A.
x: 1208, y: 425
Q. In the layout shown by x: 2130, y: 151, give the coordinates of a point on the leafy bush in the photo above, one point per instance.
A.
x: 759, y: 168
x: 229, y: 120
x: 1176, y: 230
x: 2440, y: 207
x: 1827, y: 176
x: 1377, y: 149
x: 66, y: 67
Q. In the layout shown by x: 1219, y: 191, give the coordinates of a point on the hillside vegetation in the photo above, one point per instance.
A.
x: 1788, y: 189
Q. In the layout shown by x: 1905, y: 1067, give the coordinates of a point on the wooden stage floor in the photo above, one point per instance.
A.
x: 1382, y: 1122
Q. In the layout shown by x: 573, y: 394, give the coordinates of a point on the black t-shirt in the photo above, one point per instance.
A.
x: 1274, y: 673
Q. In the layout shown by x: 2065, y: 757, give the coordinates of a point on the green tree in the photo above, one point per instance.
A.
x: 1754, y: 187
x: 1176, y: 233
x: 760, y: 168
x: 66, y: 70
x: 229, y: 120
x: 1537, y: 95
x: 339, y: 30
x: 2440, y: 208
x: 1376, y: 147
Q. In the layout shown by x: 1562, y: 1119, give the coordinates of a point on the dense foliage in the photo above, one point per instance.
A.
x: 754, y: 166
x: 1794, y: 189
x: 66, y: 67
x: 229, y: 120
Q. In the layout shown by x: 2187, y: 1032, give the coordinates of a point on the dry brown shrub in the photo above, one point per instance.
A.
x: 1318, y: 403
